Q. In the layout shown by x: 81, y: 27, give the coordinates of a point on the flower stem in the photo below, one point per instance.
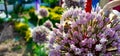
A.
x: 38, y: 22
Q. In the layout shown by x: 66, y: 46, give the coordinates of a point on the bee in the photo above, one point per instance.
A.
x: 66, y: 25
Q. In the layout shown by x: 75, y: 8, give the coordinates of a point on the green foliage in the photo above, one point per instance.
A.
x: 34, y: 49
x: 54, y: 15
x: 16, y: 48
x: 52, y: 3
x: 18, y: 8
x: 58, y: 10
x: 29, y: 48
x: 21, y: 28
x: 1, y: 21
x: 11, y: 2
x: 33, y: 16
x: 39, y: 50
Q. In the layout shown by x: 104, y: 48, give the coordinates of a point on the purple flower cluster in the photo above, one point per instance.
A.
x: 85, y: 34
x: 43, y: 12
x: 48, y: 24
x: 39, y: 34
x: 73, y: 3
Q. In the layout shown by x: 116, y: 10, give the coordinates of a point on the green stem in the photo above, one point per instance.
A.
x: 38, y: 22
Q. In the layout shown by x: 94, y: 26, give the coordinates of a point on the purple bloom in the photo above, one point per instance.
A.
x: 98, y: 47
x: 52, y: 34
x: 43, y: 12
x: 88, y: 16
x: 99, y: 18
x: 66, y: 14
x: 89, y: 28
x: 84, y: 42
x: 81, y: 21
x: 109, y: 32
x: 54, y: 53
x: 81, y: 16
x: 104, y: 49
x: 48, y: 24
x: 60, y: 26
x: 74, y: 24
x: 50, y: 46
x: 118, y: 50
x: 107, y: 20
x: 74, y: 15
x: 89, y: 54
x: 52, y: 39
x: 58, y: 47
x: 114, y: 43
x: 108, y: 54
x: 103, y: 40
x: 116, y: 36
x: 118, y: 40
x: 80, y: 36
x: 117, y: 27
x: 39, y: 34
x: 64, y: 41
x: 78, y: 21
x: 72, y: 42
x: 75, y: 40
x: 107, y: 13
x: 77, y: 51
x: 98, y: 9
x: 118, y: 33
x: 74, y: 3
x: 88, y: 34
x: 100, y: 24
x: 93, y: 16
x: 86, y: 50
x: 90, y: 42
x: 75, y: 34
x: 102, y: 35
x: 72, y: 46
x: 118, y: 47
x: 67, y: 54
x: 116, y: 20
x: 57, y: 32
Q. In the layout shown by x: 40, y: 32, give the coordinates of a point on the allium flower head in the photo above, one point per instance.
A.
x: 43, y: 12
x: 39, y: 34
x: 48, y: 24
x: 73, y: 3
x: 87, y: 34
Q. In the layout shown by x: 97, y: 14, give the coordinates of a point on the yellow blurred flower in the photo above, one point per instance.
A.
x: 23, y: 29
x: 28, y: 35
x: 55, y: 16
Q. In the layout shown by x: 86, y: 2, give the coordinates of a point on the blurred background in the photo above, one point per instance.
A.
x: 17, y: 18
